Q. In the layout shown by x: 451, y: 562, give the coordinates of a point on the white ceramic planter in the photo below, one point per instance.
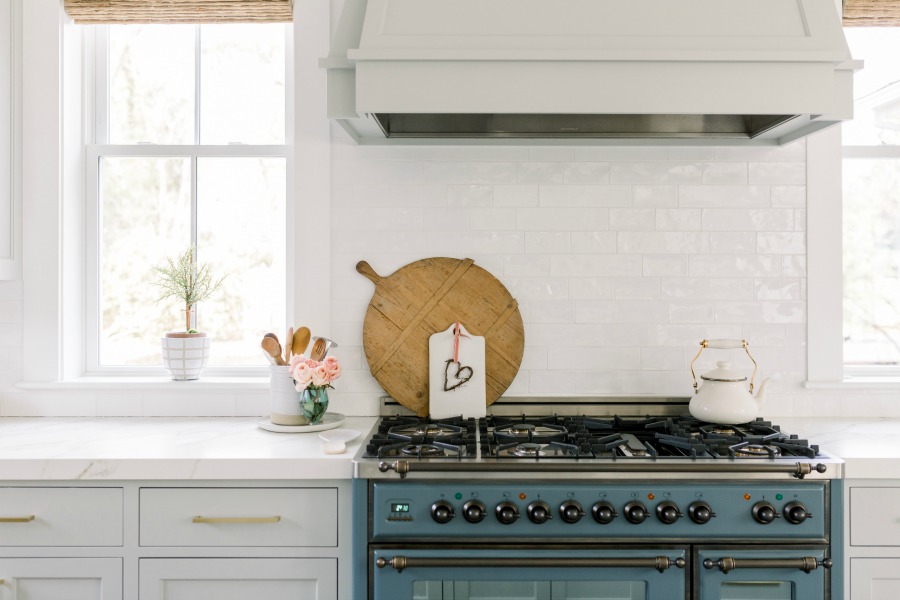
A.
x: 185, y: 354
x: 284, y: 399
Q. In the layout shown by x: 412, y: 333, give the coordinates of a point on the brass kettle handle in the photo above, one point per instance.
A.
x: 724, y: 344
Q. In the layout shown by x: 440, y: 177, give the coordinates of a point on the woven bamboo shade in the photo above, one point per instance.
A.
x: 94, y: 12
x: 871, y: 13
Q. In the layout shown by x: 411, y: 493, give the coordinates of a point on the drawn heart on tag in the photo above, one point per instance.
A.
x: 463, y: 374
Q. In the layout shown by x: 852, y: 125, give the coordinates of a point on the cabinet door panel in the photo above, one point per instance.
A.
x: 874, y: 578
x: 58, y: 578
x: 305, y: 517
x: 238, y: 578
x: 61, y: 516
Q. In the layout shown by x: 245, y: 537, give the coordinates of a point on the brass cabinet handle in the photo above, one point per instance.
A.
x: 27, y: 519
x: 199, y: 519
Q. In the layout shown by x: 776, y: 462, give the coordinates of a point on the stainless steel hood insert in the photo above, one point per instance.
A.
x: 583, y: 71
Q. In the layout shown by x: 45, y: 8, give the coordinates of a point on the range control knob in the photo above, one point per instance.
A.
x: 538, y: 512
x: 667, y: 512
x: 764, y: 512
x: 442, y: 511
x: 474, y: 511
x: 795, y: 512
x: 700, y: 512
x: 604, y: 512
x: 507, y: 512
x: 571, y: 511
x: 635, y: 512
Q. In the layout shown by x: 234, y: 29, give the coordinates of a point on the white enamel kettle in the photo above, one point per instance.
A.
x: 723, y: 397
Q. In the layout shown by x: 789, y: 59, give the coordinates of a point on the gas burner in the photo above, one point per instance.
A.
x: 747, y: 450
x: 421, y: 450
x: 527, y: 451
x: 424, y: 432
x: 723, y: 430
x: 531, y: 432
x: 521, y: 429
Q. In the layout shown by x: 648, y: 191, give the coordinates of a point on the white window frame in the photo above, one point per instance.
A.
x: 95, y: 152
x: 55, y: 82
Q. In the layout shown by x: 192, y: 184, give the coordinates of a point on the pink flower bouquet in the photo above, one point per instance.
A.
x: 312, y: 379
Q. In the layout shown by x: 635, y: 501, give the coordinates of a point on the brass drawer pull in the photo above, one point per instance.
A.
x: 27, y: 519
x: 199, y: 519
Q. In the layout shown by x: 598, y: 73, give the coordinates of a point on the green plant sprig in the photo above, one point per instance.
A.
x: 181, y: 278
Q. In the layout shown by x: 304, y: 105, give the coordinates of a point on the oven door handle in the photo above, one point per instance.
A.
x: 403, y: 467
x: 804, y: 563
x: 660, y: 563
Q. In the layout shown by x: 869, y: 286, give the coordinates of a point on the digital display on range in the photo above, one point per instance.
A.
x: 400, y: 507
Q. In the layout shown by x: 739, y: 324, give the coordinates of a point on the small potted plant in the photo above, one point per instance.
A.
x: 185, y: 353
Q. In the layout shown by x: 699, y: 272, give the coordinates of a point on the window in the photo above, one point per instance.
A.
x: 190, y: 131
x: 871, y: 207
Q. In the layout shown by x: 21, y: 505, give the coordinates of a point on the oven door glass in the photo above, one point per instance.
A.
x: 540, y: 573
x: 761, y: 574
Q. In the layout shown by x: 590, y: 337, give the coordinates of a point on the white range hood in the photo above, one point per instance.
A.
x: 715, y: 72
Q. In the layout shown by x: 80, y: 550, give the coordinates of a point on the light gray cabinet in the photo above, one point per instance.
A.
x: 238, y: 578
x: 874, y: 539
x: 171, y: 540
x: 56, y: 578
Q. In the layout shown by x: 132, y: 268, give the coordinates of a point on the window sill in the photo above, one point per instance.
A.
x: 210, y: 384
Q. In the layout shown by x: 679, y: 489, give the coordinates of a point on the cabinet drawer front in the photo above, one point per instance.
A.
x: 874, y: 516
x: 61, y: 516
x: 238, y: 517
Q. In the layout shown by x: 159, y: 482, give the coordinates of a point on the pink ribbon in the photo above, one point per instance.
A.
x: 457, y: 332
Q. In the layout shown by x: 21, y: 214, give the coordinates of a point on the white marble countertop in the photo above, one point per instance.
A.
x: 184, y: 448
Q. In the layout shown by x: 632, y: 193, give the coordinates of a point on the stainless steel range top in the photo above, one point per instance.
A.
x: 566, y: 438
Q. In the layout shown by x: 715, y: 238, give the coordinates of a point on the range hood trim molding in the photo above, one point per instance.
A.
x: 813, y: 85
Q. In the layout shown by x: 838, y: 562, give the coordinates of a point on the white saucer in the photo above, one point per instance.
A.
x: 329, y: 421
x: 339, y: 435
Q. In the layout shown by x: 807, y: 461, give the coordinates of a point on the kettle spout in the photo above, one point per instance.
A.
x: 760, y: 396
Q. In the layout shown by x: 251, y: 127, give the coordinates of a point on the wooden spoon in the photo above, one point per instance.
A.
x: 300, y: 341
x: 273, y: 348
x: 318, y: 349
x: 288, y: 343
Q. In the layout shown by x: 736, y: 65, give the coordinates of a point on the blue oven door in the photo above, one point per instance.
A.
x: 764, y: 573
x: 537, y: 573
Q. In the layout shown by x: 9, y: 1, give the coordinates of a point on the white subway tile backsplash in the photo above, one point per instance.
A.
x: 539, y: 172
x: 657, y: 358
x: 724, y: 196
x: 551, y: 311
x: 562, y: 219
x: 470, y: 196
x: 706, y: 288
x: 788, y: 196
x: 632, y: 311
x: 506, y: 196
x: 678, y: 219
x: 752, y: 219
x: 591, y: 288
x: 781, y: 243
x: 598, y: 382
x: 662, y: 242
x: 448, y: 219
x: 593, y: 242
x: 692, y: 312
x: 464, y: 243
x: 547, y: 242
x: 659, y: 265
x: 777, y: 173
x: 795, y: 151
x: 519, y: 265
x: 537, y: 288
x: 735, y: 266
x: 546, y: 153
x: 692, y: 153
x: 732, y: 242
x: 654, y: 196
x: 763, y: 311
x: 469, y: 172
x: 655, y: 172
x: 632, y: 219
x: 636, y: 288
x: 492, y: 219
x: 584, y: 196
x: 793, y: 266
x: 604, y: 359
x: 595, y: 265
x: 381, y: 218
x: 586, y: 172
x: 724, y: 173
x: 620, y: 153
x: 620, y: 335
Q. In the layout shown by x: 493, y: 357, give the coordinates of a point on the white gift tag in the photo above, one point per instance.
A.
x: 456, y: 379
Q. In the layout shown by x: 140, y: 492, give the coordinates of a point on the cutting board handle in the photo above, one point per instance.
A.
x: 366, y: 270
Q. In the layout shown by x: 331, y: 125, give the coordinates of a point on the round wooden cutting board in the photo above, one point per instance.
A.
x: 425, y: 297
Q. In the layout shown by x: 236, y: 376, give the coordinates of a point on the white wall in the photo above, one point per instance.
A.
x: 622, y: 260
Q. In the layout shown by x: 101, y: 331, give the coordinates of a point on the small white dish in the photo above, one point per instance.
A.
x: 329, y: 421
